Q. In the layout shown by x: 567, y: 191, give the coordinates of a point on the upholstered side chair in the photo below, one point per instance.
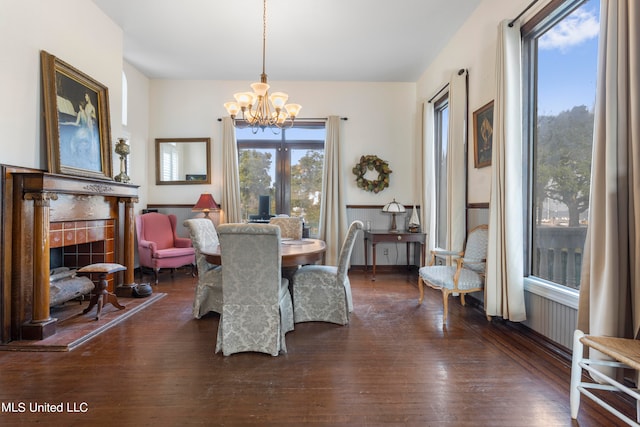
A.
x: 465, y: 276
x: 208, y: 295
x: 323, y: 293
x: 290, y: 227
x: 159, y: 246
x: 256, y: 311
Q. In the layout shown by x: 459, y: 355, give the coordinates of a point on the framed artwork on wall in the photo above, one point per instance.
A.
x: 483, y: 135
x: 76, y: 114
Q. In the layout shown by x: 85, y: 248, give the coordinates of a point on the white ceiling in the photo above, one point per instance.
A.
x: 307, y: 40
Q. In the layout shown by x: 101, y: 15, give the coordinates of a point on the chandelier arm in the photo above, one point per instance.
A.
x: 258, y: 113
x: 264, y: 37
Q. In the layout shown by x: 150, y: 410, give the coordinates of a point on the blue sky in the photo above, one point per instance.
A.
x: 567, y: 61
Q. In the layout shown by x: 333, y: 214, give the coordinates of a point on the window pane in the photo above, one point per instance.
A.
x: 306, y: 133
x: 441, y: 142
x: 287, y: 167
x: 566, y: 55
x: 306, y: 186
x: 257, y: 177
x: 266, y: 134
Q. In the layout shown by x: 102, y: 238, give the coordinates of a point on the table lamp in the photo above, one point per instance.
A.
x: 393, y: 208
x: 206, y: 203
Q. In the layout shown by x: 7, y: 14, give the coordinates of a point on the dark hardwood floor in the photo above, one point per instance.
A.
x: 394, y: 364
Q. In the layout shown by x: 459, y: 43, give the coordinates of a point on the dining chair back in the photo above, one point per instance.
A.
x: 208, y: 295
x: 290, y: 227
x: 257, y: 310
x: 322, y: 292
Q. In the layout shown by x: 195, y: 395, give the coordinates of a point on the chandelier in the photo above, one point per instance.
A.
x: 258, y: 109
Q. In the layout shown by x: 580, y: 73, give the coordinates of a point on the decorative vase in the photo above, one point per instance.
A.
x: 123, y: 150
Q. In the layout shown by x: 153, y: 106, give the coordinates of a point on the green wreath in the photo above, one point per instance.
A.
x: 369, y: 163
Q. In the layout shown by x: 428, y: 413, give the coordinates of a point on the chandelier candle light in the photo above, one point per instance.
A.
x: 393, y: 208
x: 259, y: 109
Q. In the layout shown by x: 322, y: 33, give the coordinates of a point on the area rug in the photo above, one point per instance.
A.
x: 74, y: 328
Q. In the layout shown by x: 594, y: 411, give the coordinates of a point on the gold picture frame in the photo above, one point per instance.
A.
x: 483, y: 135
x: 76, y: 115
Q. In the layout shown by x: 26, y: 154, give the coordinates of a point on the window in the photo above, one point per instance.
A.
x: 441, y: 120
x: 287, y: 166
x: 560, y: 67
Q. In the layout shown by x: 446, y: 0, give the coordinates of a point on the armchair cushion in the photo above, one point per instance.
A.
x: 442, y: 276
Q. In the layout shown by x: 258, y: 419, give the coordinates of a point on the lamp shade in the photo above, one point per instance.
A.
x: 206, y: 203
x: 393, y: 207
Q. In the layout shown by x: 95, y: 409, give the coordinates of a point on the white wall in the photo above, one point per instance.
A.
x: 473, y: 47
x: 137, y: 131
x: 381, y: 121
x: 75, y: 31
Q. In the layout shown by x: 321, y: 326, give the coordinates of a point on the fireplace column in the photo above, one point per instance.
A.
x: 41, y: 324
x: 125, y: 289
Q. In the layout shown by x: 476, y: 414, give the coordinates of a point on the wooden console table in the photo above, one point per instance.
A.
x: 374, y: 237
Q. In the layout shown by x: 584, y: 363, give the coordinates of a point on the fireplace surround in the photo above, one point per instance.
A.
x: 43, y: 211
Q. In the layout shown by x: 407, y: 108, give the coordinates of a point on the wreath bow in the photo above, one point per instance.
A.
x: 369, y: 163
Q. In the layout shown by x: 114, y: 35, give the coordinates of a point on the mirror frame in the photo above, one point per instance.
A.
x: 207, y: 180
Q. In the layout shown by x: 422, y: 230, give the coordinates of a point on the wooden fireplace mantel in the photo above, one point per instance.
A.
x: 39, y: 199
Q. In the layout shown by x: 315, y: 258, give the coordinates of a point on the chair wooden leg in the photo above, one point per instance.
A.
x: 156, y: 271
x: 576, y: 373
x: 421, y: 288
x: 462, y: 301
x: 445, y: 304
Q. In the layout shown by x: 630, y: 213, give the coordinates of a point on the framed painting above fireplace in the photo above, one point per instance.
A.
x: 76, y: 113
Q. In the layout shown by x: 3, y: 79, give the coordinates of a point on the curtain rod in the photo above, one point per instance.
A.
x: 307, y: 119
x: 522, y: 13
x: 460, y: 72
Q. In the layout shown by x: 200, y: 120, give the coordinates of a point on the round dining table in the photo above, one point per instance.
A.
x: 294, y: 252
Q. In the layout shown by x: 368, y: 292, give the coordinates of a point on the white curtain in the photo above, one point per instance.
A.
x: 457, y: 162
x: 230, y: 202
x: 333, y: 211
x: 610, y: 282
x: 428, y: 202
x: 504, y: 287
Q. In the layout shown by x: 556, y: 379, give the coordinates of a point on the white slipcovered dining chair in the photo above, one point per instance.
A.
x: 257, y: 311
x: 290, y: 227
x: 208, y: 295
x: 466, y: 276
x: 322, y: 293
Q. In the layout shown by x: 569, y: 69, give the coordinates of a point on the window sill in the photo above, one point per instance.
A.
x: 560, y: 294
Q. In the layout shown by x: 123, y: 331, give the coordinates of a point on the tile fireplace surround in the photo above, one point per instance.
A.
x: 92, y: 221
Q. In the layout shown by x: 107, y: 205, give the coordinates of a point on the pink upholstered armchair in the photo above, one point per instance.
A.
x: 159, y: 246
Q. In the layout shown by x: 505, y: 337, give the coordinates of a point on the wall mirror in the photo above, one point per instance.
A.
x: 181, y: 161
